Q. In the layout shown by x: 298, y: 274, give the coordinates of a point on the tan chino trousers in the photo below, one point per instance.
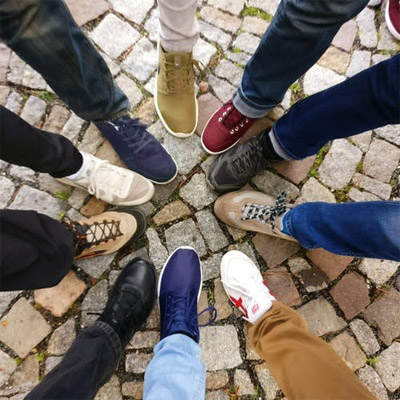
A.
x: 303, y: 365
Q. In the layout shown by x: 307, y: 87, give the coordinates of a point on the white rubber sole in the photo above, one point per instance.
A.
x: 389, y: 24
x: 166, y: 263
x: 204, y: 146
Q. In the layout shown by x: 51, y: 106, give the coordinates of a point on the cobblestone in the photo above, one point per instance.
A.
x: 388, y: 366
x: 390, y: 133
x: 371, y: 379
x: 366, y: 26
x: 215, y: 35
x: 33, y: 110
x: 364, y: 336
x: 255, y: 25
x: 267, y: 381
x: 314, y: 191
x: 62, y: 338
x: 335, y: 59
x: 344, y: 39
x: 211, y: 231
x: 243, y: 382
x: 133, y: 10
x: 247, y: 42
x: 229, y: 71
x: 222, y: 89
x: 374, y: 186
x: 220, y: 19
x: 203, y: 51
x: 319, y: 78
x: 272, y: 185
x: 360, y: 60
x: 130, y: 89
x: 197, y: 192
x: 346, y: 347
x: 6, y: 192
x: 378, y: 271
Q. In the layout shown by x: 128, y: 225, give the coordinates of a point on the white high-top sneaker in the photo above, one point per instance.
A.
x: 112, y: 184
x: 244, y: 285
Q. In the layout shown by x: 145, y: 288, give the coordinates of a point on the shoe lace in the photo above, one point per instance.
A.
x: 250, y: 160
x: 136, y: 140
x: 86, y: 236
x: 233, y: 119
x: 178, y: 77
x: 265, y: 214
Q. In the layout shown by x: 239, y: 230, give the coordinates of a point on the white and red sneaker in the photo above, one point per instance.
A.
x: 244, y: 285
x: 392, y: 17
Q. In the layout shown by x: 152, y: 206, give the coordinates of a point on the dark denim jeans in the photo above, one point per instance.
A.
x: 365, y: 229
x: 366, y: 101
x: 298, y: 35
x: 44, y: 34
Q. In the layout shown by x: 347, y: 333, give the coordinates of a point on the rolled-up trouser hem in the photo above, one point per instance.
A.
x: 247, y: 108
x: 113, y: 117
x: 111, y: 335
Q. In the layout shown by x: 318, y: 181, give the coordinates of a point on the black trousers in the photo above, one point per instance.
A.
x: 22, y: 144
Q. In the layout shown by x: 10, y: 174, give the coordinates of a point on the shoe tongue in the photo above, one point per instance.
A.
x: 258, y: 307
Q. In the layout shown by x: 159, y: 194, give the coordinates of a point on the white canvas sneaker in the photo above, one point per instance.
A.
x: 244, y: 285
x: 112, y: 184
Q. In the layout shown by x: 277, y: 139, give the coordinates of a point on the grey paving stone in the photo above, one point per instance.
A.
x: 388, y: 366
x: 96, y: 266
x: 372, y: 380
x: 216, y: 379
x: 92, y: 140
x: 84, y: 11
x: 4, y: 92
x: 383, y: 190
x: 114, y: 36
x: 197, y: 193
x: 211, y: 231
x: 185, y: 233
x: 222, y: 89
x: 234, y: 7
x: 220, y: 347
x: 321, y: 317
x: 312, y: 278
x: 150, y: 86
x: 50, y: 184
x: 33, y: 110
x: 319, y: 78
x: 245, y: 248
x: 96, y: 298
x: 362, y: 141
x: 152, y: 25
x: 130, y: 88
x: 110, y: 391
x: 77, y: 198
x: 243, y: 382
x: 144, y: 340
x: 24, y: 329
x: 157, y: 252
x: 357, y: 195
x: 6, y: 298
x: 133, y: 389
x: 222, y: 303
x: 255, y: 25
x: 377, y: 58
x: 211, y: 267
x: 269, y: 6
x: 56, y: 119
x: 365, y: 336
x: 335, y: 59
x: 344, y: 39
x: 33, y: 79
x: 8, y: 366
x: 381, y: 160
x: 217, y: 395
x: 390, y: 132
x: 17, y: 67
x: 312, y: 190
x: 247, y: 42
x: 141, y: 61
x: 366, y: 28
x: 360, y: 60
x: 51, y: 362
x: 238, y: 57
x: 272, y: 185
x: 72, y: 127
x: 386, y: 40
x: 7, y: 189
x: 133, y: 10
x: 23, y: 173
x: 137, y: 362
x: 339, y: 164
x: 267, y: 381
x: 229, y: 71
x: 62, y: 338
x: 14, y: 102
x: 378, y: 271
x: 220, y: 19
x: 347, y: 349
x: 28, y: 198
x: 26, y: 376
x: 214, y: 34
x: 111, y: 64
x: 203, y: 51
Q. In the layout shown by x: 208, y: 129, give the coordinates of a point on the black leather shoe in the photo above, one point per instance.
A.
x: 131, y: 300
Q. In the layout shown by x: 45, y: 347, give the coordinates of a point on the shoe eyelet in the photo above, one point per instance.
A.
x: 223, y: 114
x: 219, y: 119
x: 229, y: 108
x: 247, y: 121
x: 237, y: 129
x: 241, y: 125
x: 232, y: 132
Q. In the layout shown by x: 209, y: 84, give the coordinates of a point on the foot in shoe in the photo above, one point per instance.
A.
x: 224, y: 129
x: 244, y: 285
x: 131, y: 300
x: 254, y: 211
x: 106, y: 233
x: 233, y: 169
x: 112, y: 184
x: 175, y: 98
x: 179, y: 289
x: 139, y: 150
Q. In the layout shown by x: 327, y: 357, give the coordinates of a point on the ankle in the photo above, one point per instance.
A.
x: 82, y: 170
x: 269, y: 152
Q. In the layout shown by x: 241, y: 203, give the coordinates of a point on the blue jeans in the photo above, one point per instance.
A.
x: 176, y: 371
x: 365, y: 229
x: 44, y: 34
x: 366, y: 101
x: 299, y: 34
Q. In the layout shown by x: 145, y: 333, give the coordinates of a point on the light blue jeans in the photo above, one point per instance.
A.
x: 176, y: 371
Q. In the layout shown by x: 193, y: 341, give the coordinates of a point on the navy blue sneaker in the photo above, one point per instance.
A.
x: 179, y: 289
x: 139, y: 150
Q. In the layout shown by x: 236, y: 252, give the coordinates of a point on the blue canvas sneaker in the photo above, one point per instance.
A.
x: 139, y: 150
x: 179, y: 289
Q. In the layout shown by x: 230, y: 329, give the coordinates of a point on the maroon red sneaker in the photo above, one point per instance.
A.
x: 224, y: 129
x: 392, y: 17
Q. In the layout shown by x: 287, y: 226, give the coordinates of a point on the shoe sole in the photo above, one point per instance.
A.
x: 137, y: 202
x: 169, y: 130
x: 389, y: 24
x: 204, y: 146
x: 165, y: 265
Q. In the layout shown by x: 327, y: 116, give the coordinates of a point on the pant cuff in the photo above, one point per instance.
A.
x: 247, y: 108
x: 277, y: 146
x: 112, y: 336
x: 113, y: 117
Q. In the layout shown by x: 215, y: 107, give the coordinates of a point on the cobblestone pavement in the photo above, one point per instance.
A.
x: 352, y: 303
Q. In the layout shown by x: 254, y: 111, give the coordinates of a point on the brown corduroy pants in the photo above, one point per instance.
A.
x: 303, y: 365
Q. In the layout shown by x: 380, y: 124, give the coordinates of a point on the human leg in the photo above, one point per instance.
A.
x: 304, y: 366
x: 94, y: 355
